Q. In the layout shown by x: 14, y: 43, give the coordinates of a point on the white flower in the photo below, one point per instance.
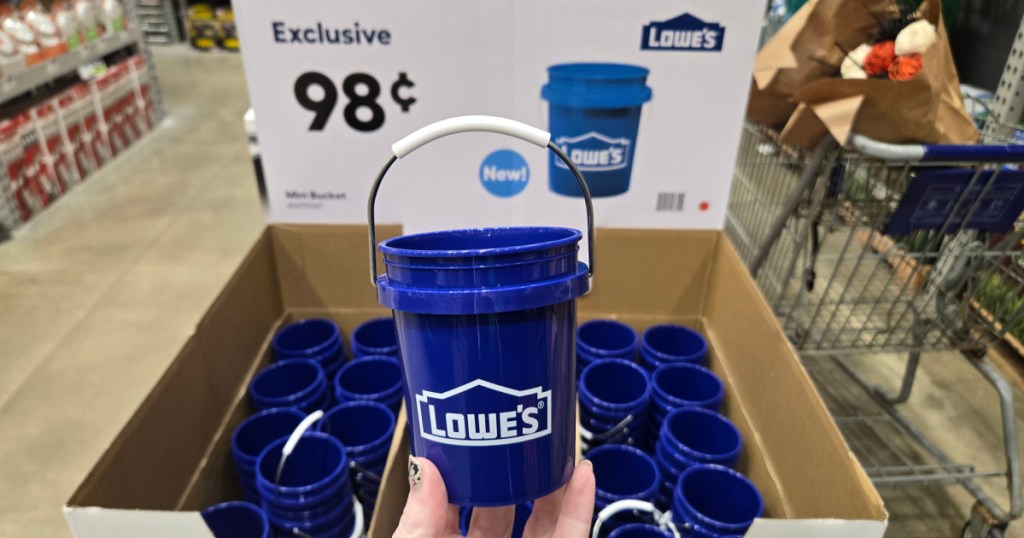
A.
x: 915, y: 38
x: 852, y: 64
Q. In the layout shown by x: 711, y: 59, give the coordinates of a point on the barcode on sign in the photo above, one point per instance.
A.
x: 670, y: 201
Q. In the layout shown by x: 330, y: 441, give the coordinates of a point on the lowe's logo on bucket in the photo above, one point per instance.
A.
x: 481, y: 413
x: 684, y: 32
x: 595, y: 152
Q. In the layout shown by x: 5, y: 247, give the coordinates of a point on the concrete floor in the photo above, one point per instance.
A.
x: 100, y: 292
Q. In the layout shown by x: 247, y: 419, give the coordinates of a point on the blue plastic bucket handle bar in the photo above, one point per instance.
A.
x: 465, y: 124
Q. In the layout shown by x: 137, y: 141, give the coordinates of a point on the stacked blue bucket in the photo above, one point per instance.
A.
x: 364, y: 429
x: 614, y: 395
x: 309, y: 491
x: 236, y: 520
x: 373, y: 378
x: 604, y: 339
x: 622, y: 472
x: 375, y: 337
x: 253, y: 436
x: 316, y: 339
x: 672, y: 403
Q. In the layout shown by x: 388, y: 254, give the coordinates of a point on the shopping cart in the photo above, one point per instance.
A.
x: 877, y: 248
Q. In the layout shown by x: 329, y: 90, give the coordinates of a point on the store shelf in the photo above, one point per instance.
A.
x: 18, y: 82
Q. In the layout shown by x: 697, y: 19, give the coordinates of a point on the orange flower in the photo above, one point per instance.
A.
x: 905, y: 67
x: 880, y: 58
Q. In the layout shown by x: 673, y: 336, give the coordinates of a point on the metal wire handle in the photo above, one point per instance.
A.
x: 465, y: 124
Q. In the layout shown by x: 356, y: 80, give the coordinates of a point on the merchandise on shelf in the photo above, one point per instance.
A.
x: 88, y: 17
x: 112, y: 16
x: 227, y: 33
x: 35, y: 171
x: 22, y: 34
x: 72, y: 106
x: 38, y: 19
x: 55, y: 158
x: 67, y: 23
x: 144, y: 88
x: 202, y: 28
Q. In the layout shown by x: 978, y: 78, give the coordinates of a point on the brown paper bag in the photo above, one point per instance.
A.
x: 925, y: 109
x: 810, y: 46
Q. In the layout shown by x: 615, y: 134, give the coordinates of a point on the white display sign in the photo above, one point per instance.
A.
x: 646, y: 98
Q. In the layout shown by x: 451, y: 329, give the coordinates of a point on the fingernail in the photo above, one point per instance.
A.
x: 586, y: 463
x: 414, y: 473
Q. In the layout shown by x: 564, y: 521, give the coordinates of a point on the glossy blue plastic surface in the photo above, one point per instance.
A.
x: 615, y: 385
x: 298, y: 383
x: 307, y: 338
x: 236, y: 520
x: 694, y: 435
x: 489, y: 350
x: 314, y: 474
x: 606, y: 338
x: 375, y: 337
x: 672, y: 343
x: 370, y: 378
x: 364, y: 428
x: 715, y: 501
x: 640, y: 530
x: 623, y: 472
x: 255, y: 434
x: 686, y: 385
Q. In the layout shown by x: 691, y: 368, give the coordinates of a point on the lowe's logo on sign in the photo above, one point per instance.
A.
x: 595, y: 152
x: 684, y: 32
x: 481, y: 413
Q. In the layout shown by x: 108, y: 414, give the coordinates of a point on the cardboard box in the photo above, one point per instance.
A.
x: 172, y: 458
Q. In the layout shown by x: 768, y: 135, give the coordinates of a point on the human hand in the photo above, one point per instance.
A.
x: 566, y: 513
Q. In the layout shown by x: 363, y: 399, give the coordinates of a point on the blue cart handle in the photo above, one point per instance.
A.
x: 1003, y: 153
x: 465, y: 124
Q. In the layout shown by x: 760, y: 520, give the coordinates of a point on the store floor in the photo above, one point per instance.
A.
x: 100, y: 292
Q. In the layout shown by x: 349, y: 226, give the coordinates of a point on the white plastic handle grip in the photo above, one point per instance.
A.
x: 289, y: 445
x: 463, y: 124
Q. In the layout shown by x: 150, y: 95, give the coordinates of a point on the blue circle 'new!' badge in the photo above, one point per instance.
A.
x: 504, y: 173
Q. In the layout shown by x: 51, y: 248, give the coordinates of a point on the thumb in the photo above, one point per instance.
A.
x: 427, y: 505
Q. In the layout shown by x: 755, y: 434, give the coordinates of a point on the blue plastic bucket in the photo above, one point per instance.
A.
x: 297, y: 383
x: 594, y: 116
x: 236, y: 520
x: 255, y: 434
x: 681, y: 384
x: 606, y: 338
x: 669, y: 343
x: 375, y: 337
x: 715, y: 501
x: 611, y: 390
x: 485, y: 318
x: 640, y: 530
x: 315, y: 474
x: 623, y: 472
x: 694, y: 435
x: 306, y: 339
x: 373, y: 378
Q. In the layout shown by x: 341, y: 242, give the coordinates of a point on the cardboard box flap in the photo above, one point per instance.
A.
x: 651, y: 272
x: 796, y: 434
x: 322, y: 268
x: 143, y: 468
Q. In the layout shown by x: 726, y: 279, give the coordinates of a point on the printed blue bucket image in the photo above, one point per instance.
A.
x: 486, y: 323
x: 594, y: 117
x: 236, y: 520
x: 715, y: 501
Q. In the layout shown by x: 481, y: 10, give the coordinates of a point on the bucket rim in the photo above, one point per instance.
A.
x: 387, y: 246
x: 703, y: 519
